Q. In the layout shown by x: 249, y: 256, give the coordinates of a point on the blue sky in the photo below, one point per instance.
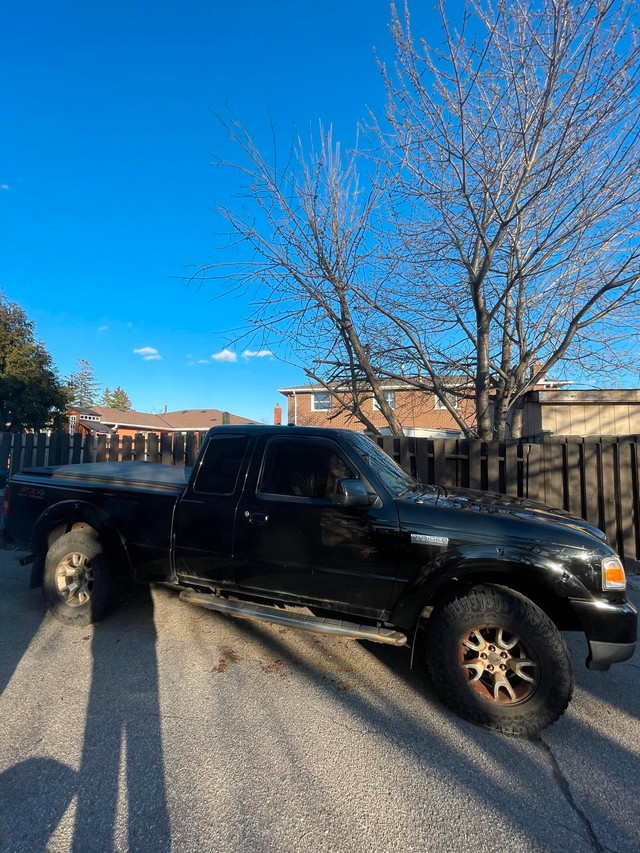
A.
x: 108, y: 193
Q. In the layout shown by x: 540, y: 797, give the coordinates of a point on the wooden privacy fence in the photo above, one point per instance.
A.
x: 19, y: 451
x: 595, y: 478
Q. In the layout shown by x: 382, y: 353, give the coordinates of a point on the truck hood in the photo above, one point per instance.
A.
x: 496, y: 512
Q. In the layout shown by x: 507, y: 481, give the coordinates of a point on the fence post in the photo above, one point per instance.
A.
x: 609, y: 460
x: 512, y: 469
x: 87, y: 449
x: 139, y: 447
x: 113, y: 453
x: 178, y: 449
x: 153, y: 447
x: 127, y: 448
x: 76, y: 448
x: 627, y: 499
x: 166, y: 450
x: 475, y: 463
x: 191, y: 448
x: 493, y: 466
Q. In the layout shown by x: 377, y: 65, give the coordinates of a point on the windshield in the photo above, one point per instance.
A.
x: 392, y: 475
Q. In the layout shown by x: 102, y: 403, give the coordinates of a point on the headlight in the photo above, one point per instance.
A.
x: 613, y: 576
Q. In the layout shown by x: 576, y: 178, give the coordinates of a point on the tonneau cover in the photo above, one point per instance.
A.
x: 145, y: 474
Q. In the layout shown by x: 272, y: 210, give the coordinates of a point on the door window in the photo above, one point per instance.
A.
x: 303, y: 470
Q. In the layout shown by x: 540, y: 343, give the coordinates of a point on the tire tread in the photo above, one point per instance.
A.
x: 484, y: 603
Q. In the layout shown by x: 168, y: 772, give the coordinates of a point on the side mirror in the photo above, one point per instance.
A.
x: 352, y: 493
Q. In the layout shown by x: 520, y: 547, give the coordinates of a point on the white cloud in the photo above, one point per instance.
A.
x: 203, y: 361
x: 260, y: 353
x: 148, y: 353
x: 225, y: 355
x: 4, y: 186
x: 103, y: 328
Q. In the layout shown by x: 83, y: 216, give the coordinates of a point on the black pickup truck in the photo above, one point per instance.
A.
x: 319, y: 529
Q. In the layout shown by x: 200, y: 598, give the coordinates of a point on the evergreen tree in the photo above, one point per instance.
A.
x: 83, y: 385
x: 120, y: 400
x: 31, y: 395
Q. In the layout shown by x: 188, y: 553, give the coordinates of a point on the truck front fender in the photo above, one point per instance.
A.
x: 63, y: 516
x: 536, y: 573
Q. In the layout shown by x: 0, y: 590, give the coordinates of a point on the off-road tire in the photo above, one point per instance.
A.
x: 498, y: 660
x: 78, y: 586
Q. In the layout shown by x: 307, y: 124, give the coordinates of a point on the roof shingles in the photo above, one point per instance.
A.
x: 185, y: 419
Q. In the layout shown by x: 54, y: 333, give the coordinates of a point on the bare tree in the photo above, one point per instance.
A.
x: 515, y: 180
x: 510, y: 237
x: 309, y: 228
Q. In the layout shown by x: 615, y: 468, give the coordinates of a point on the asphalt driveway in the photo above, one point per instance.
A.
x: 171, y: 728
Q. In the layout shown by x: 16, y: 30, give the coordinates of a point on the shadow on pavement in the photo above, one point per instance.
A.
x: 122, y: 764
x: 15, y: 595
x: 520, y: 779
x: 120, y: 784
x: 33, y: 797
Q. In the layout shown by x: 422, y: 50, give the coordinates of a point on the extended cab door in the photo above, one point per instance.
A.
x: 204, y: 525
x: 292, y: 539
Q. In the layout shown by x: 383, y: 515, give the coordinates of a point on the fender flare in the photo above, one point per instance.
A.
x: 467, y: 566
x: 78, y: 512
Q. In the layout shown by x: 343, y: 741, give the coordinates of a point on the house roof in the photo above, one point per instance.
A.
x: 201, y: 418
x: 616, y: 395
x: 95, y: 426
x: 82, y: 410
x: 386, y: 384
x: 185, y: 419
x: 399, y: 385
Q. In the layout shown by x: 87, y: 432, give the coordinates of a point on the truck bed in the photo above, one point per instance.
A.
x: 139, y: 497
x: 165, y: 478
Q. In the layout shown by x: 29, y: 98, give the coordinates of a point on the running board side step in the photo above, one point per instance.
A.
x: 265, y: 613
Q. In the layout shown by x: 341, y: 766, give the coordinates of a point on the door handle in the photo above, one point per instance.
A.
x: 257, y: 517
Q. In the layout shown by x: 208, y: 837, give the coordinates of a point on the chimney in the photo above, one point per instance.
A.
x: 277, y: 415
x: 165, y: 408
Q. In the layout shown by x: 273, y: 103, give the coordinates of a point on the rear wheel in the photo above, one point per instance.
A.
x: 498, y: 660
x: 78, y: 586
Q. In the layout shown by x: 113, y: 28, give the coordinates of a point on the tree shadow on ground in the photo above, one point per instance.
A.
x: 520, y: 779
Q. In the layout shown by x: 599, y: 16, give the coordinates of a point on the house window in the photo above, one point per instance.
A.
x: 452, y: 398
x: 390, y: 400
x: 320, y: 402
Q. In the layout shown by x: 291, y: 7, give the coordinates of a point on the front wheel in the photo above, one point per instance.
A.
x: 78, y: 586
x: 498, y: 660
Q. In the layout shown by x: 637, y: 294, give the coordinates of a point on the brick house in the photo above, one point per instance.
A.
x: 100, y: 419
x: 419, y: 412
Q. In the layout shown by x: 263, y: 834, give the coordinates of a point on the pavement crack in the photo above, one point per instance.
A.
x: 563, y: 784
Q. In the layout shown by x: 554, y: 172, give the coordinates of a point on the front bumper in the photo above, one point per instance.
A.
x: 610, y: 627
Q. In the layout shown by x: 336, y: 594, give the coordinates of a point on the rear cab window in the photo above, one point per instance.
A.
x: 221, y: 464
